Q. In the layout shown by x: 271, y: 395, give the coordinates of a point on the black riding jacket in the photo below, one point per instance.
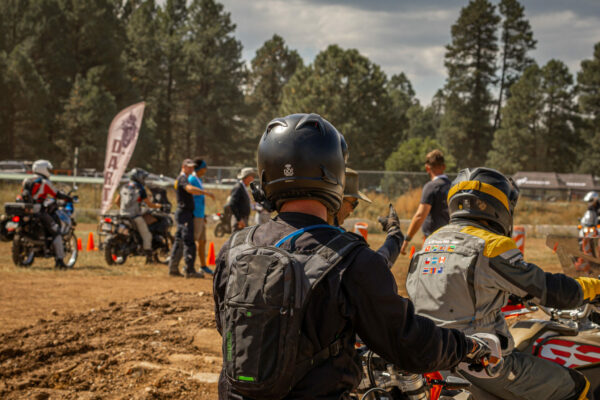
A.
x: 359, y: 296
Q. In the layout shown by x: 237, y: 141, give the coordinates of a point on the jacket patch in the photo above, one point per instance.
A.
x: 432, y: 270
x: 435, y: 260
x: 449, y: 248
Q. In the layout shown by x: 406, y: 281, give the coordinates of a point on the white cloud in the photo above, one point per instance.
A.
x: 408, y: 39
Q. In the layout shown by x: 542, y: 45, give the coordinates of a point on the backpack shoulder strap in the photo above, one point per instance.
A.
x: 329, y: 256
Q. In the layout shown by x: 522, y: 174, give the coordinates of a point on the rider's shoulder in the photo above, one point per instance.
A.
x: 495, y: 244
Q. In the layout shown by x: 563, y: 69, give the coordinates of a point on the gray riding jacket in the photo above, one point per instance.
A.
x: 464, y: 274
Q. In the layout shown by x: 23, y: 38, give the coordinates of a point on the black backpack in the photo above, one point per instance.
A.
x: 267, y: 292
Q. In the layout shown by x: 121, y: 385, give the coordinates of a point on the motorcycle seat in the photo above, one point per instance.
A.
x: 21, y: 209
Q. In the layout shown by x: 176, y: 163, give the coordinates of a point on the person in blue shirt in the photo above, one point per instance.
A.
x: 195, y: 180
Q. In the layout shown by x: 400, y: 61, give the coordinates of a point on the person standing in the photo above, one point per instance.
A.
x: 432, y: 213
x: 184, y: 217
x: 195, y: 179
x: 239, y: 200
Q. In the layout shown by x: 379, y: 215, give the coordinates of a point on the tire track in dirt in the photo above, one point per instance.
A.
x: 157, y: 347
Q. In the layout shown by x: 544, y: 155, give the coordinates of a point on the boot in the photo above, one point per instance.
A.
x: 59, y: 263
x: 149, y: 257
x: 193, y: 274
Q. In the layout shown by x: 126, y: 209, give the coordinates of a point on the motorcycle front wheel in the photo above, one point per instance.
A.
x: 71, y: 251
x: 22, y: 254
x: 163, y: 253
x: 112, y: 253
x: 220, y: 230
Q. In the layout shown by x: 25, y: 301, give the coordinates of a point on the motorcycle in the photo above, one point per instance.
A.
x: 583, y: 251
x: 570, y: 338
x: 120, y: 239
x: 223, y: 222
x: 29, y: 236
x: 7, y: 228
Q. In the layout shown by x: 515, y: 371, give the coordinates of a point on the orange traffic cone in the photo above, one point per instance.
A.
x: 79, y: 245
x: 210, y: 259
x: 412, y: 252
x: 90, y: 242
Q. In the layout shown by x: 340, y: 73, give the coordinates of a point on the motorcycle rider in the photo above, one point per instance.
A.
x: 38, y: 189
x: 390, y: 224
x: 301, y: 160
x: 592, y: 200
x: 466, y: 272
x: 129, y: 199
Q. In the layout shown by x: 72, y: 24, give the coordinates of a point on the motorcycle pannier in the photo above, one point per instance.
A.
x: 21, y: 209
x: 265, y: 300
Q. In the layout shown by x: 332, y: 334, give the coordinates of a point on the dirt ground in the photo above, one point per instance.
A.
x: 100, y: 332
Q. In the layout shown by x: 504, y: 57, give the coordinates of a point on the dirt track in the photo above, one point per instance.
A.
x: 161, y: 346
x: 99, y: 332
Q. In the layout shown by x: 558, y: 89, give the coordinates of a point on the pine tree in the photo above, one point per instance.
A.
x: 471, y: 62
x: 517, y: 40
x: 272, y: 67
x: 538, y: 133
x: 87, y: 116
x: 588, y: 86
x: 515, y: 145
x: 351, y: 92
x: 215, y: 75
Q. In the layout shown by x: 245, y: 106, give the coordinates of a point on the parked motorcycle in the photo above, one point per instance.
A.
x: 29, y: 236
x: 120, y: 239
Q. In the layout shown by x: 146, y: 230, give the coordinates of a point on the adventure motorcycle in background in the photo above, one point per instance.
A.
x: 223, y: 221
x: 29, y: 236
x: 120, y: 239
x: 7, y: 228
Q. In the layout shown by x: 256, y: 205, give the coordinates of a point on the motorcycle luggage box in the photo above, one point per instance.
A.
x: 21, y: 209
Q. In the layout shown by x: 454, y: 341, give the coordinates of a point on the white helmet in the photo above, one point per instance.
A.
x: 42, y: 167
x: 590, y: 197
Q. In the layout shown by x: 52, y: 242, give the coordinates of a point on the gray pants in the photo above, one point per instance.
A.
x: 142, y: 228
x: 525, y: 377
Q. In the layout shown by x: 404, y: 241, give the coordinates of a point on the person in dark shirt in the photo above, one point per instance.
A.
x: 432, y: 213
x: 239, y: 200
x: 359, y: 296
x: 184, y: 217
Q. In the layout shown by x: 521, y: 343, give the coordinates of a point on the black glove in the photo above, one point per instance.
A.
x: 478, y: 354
x: 391, y: 224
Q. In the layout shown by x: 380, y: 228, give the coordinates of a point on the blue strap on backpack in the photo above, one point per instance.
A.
x: 294, y: 235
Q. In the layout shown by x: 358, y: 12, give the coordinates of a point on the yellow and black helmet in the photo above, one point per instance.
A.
x: 484, y: 194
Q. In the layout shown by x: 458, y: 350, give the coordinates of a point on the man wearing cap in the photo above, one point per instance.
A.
x: 239, y: 200
x: 390, y: 224
x: 184, y: 217
x: 195, y: 179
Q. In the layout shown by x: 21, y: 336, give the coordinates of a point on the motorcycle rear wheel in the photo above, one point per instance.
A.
x: 163, y: 254
x: 22, y: 254
x: 110, y: 253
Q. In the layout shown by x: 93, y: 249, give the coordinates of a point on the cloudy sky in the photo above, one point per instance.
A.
x: 406, y: 35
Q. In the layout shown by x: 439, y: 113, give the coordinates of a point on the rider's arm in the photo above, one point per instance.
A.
x: 387, y: 322
x: 511, y: 273
x: 150, y: 204
x: 390, y: 249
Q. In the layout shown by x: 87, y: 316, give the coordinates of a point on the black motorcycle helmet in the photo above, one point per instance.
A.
x: 484, y: 194
x: 138, y: 175
x: 301, y: 156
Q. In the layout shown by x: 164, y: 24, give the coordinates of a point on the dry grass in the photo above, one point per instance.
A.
x: 528, y: 211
